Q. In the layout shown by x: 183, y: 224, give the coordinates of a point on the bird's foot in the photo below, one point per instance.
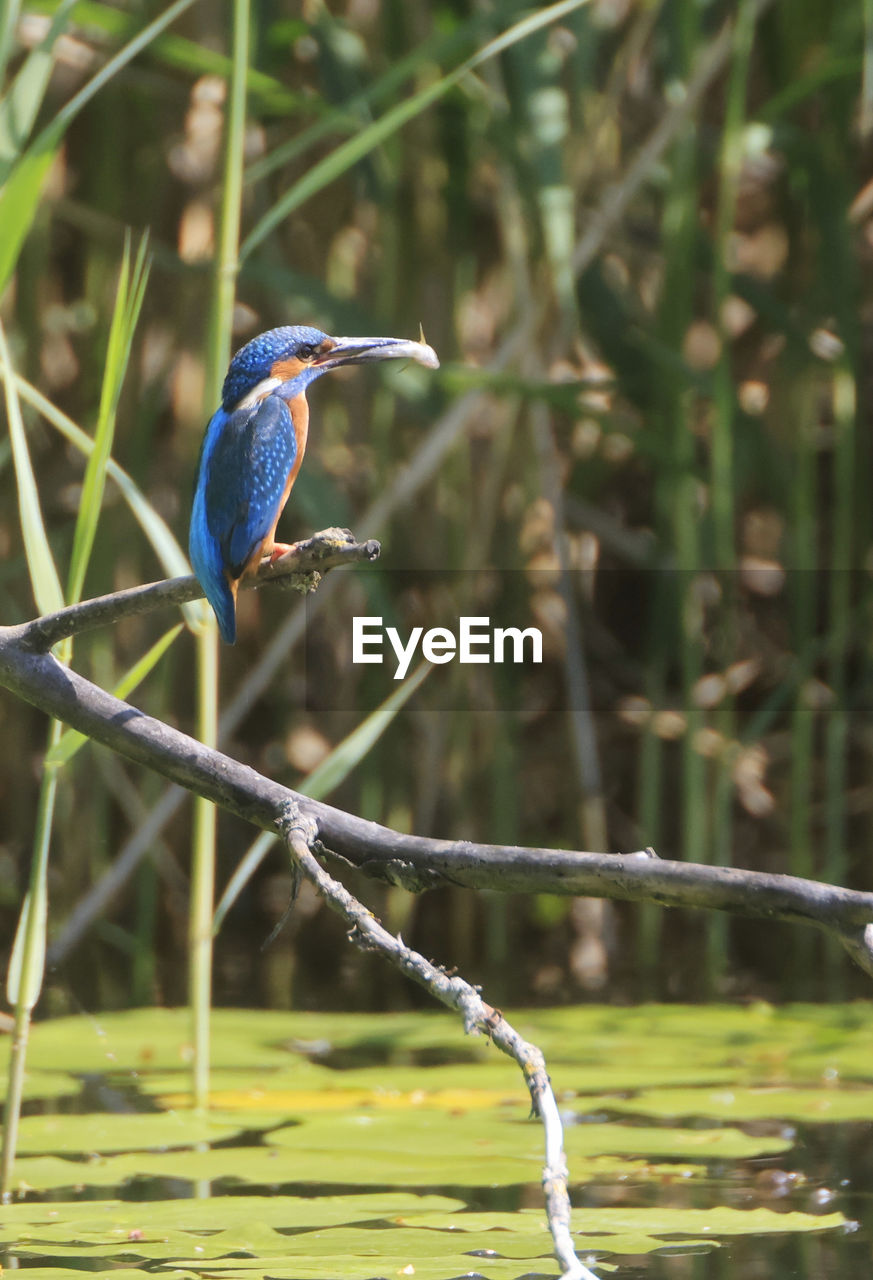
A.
x: 279, y: 550
x: 282, y: 565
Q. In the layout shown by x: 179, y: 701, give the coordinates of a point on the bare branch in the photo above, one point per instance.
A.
x: 300, y: 569
x: 418, y: 862
x: 300, y: 833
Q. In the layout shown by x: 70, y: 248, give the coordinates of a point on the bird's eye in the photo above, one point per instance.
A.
x: 307, y: 351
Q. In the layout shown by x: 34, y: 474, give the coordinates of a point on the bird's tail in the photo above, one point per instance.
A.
x: 222, y: 597
x: 220, y: 592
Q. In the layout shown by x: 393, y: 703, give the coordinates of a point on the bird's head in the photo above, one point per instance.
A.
x: 295, y: 355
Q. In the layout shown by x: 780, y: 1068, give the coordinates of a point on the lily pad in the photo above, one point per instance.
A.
x: 298, y: 1213
x: 661, y: 1223
x: 742, y: 1043
x: 824, y: 1105
x: 386, y: 1266
x: 49, y: 1086
x: 450, y: 1141
x: 149, y: 1039
x: 84, y: 1134
x: 381, y: 1098
x: 228, y: 1238
x: 118, y: 1273
x: 276, y: 1166
x: 173, y: 1088
x: 586, y: 1047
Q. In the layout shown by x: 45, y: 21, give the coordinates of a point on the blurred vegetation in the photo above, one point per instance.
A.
x: 639, y: 236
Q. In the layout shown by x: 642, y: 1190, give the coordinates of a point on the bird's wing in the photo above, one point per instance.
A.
x: 247, y: 474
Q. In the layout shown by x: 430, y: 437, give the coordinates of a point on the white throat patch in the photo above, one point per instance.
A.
x: 259, y: 392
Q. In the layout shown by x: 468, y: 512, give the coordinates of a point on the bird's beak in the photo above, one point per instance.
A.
x: 361, y: 350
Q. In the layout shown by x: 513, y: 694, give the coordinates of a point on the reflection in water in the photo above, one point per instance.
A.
x: 829, y: 1168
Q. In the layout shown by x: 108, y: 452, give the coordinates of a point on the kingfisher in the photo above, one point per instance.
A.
x: 253, y: 448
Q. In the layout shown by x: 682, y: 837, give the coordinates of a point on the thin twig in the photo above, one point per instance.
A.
x: 300, y: 833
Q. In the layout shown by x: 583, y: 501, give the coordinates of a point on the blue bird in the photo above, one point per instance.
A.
x: 253, y: 448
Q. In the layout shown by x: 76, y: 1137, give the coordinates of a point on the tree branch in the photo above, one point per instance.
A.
x: 300, y: 569
x: 368, y: 934
x: 415, y: 862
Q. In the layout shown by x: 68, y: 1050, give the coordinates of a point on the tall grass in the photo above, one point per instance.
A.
x: 722, y: 467
x: 27, y: 962
x: 226, y: 266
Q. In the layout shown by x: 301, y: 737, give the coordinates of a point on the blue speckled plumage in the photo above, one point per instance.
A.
x: 253, y: 362
x: 253, y: 448
x: 245, y: 461
x: 246, y: 458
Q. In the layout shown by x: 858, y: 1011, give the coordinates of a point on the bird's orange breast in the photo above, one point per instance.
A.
x: 299, y: 410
